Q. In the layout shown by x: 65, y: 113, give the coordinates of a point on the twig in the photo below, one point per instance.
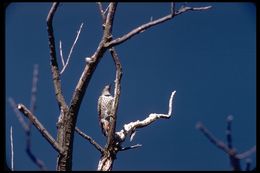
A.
x: 18, y: 114
x: 94, y: 143
x: 228, y: 132
x: 185, y: 9
x: 246, y: 153
x: 40, y: 127
x: 34, y: 87
x: 172, y: 8
x: 102, y: 13
x: 143, y: 27
x: 128, y: 128
x: 71, y: 49
x: 61, y: 54
x: 130, y: 147
x: 12, y: 148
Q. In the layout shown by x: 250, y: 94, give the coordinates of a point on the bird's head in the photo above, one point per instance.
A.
x: 106, y: 90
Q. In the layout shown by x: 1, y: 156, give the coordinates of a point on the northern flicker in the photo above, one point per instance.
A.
x: 105, y: 102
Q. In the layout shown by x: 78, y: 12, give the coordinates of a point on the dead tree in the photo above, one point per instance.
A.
x: 228, y: 148
x: 66, y: 125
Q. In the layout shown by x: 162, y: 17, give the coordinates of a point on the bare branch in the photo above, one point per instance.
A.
x: 18, y: 114
x: 61, y: 55
x: 40, y: 127
x: 54, y: 64
x: 35, y: 160
x: 12, y: 148
x: 130, y: 147
x: 172, y: 8
x: 71, y: 49
x: 246, y: 153
x: 228, y: 132
x: 34, y: 87
x: 248, y: 164
x: 128, y: 128
x: 102, y: 13
x: 185, y: 9
x: 109, y: 21
x: 143, y: 27
x: 234, y: 161
x: 27, y: 130
x: 212, y: 138
x: 94, y: 143
x: 117, y: 91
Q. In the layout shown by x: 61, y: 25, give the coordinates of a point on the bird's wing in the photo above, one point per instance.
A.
x: 99, y: 108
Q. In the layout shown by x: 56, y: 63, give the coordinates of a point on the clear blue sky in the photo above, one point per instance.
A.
x: 208, y: 57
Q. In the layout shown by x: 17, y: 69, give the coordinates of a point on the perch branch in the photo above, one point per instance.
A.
x: 40, y: 127
x: 143, y: 27
x: 94, y: 143
x: 128, y: 128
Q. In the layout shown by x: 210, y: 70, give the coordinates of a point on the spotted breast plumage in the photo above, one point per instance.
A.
x: 105, y: 102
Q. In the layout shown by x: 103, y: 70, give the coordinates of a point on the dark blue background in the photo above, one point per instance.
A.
x: 208, y: 57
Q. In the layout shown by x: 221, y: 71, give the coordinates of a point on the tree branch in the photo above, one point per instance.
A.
x: 27, y: 130
x: 18, y: 114
x: 128, y: 128
x: 130, y: 147
x: 117, y: 91
x: 246, y: 153
x: 40, y: 127
x: 102, y: 13
x: 143, y: 27
x: 228, y: 132
x: 54, y: 64
x: 235, y: 162
x: 71, y: 49
x: 34, y: 87
x: 92, y: 141
x: 35, y: 160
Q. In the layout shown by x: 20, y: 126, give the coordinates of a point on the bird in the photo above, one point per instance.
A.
x: 105, y: 102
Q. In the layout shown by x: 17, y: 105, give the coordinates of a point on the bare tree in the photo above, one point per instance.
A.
x: 228, y: 148
x: 66, y: 124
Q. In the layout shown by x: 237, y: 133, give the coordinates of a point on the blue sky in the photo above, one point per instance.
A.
x: 208, y: 57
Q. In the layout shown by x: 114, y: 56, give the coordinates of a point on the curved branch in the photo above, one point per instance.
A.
x: 128, y: 128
